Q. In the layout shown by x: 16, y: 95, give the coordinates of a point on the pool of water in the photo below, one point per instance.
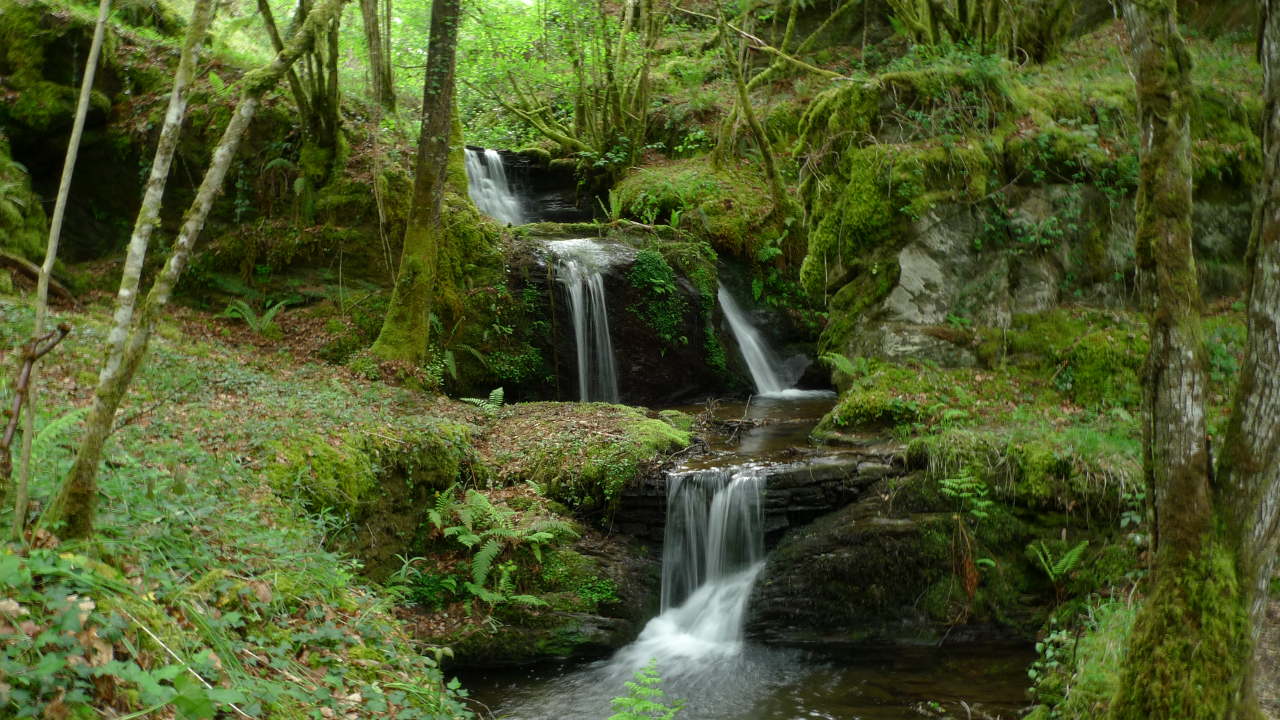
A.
x: 762, y: 683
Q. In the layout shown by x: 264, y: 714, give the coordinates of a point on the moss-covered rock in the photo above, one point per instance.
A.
x: 579, y: 454
x: 378, y: 479
x: 24, y: 229
x: 728, y: 206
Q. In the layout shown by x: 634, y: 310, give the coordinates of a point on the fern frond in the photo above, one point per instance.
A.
x: 50, y: 434
x: 1070, y: 559
x: 483, y: 561
x: 529, y: 600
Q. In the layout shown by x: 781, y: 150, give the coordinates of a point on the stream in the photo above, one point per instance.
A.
x: 711, y: 555
x: 714, y: 547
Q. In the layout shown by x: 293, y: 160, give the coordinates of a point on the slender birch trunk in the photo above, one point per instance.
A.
x: 50, y: 256
x: 78, y: 500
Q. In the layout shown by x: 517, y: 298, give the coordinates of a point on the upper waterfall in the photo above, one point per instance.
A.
x: 489, y: 189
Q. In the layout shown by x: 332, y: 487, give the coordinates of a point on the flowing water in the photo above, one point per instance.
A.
x: 489, y: 188
x: 580, y: 266
x: 712, y: 552
x: 772, y: 377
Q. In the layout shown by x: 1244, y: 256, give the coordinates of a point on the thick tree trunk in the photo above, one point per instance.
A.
x: 1187, y: 653
x: 78, y: 499
x: 1249, y: 469
x: 405, y: 334
x: 46, y: 270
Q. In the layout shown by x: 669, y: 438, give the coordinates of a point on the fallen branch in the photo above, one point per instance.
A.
x: 32, y: 271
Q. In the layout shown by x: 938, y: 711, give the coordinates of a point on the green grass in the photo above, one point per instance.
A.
x: 197, y: 567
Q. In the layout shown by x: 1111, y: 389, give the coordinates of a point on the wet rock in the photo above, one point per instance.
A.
x: 849, y: 577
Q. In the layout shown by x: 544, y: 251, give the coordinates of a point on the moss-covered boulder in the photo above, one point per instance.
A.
x: 377, y: 480
x: 580, y: 454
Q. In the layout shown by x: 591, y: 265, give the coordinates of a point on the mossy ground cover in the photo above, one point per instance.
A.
x: 234, y: 491
x: 579, y: 454
x: 200, y: 573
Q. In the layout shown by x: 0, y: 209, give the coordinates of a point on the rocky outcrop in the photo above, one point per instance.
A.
x: 665, y: 351
x: 1056, y: 243
x: 849, y: 577
x: 795, y: 493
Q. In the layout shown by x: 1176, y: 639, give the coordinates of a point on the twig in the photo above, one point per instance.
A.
x: 33, y: 350
x: 150, y: 408
x: 181, y: 662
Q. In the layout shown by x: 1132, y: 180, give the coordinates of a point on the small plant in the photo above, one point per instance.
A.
x: 263, y: 324
x: 1058, y: 568
x: 489, y: 530
x: 490, y: 405
x: 645, y: 699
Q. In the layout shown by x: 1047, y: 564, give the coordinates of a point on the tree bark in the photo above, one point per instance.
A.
x: 757, y: 131
x: 78, y: 499
x: 1188, y: 654
x: 1249, y: 468
x: 46, y: 269
x: 379, y: 66
x: 406, y: 329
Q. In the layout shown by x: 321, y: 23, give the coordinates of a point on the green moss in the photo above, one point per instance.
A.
x: 729, y: 207
x: 660, y: 302
x: 343, y: 474
x: 582, y: 454
x: 1189, y: 643
x: 676, y: 419
x: 24, y: 228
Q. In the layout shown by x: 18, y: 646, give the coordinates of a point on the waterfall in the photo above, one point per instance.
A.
x: 760, y: 361
x: 489, y: 189
x: 580, y: 266
x: 712, y: 552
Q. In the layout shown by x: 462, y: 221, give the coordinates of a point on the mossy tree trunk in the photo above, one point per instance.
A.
x: 78, y: 499
x: 1191, y: 651
x: 735, y: 58
x: 1249, y: 468
x: 406, y: 329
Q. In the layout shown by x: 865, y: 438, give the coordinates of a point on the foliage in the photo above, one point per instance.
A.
x: 490, y: 405
x: 661, y: 304
x: 645, y: 699
x: 263, y: 324
x: 1057, y: 569
x: 489, y: 530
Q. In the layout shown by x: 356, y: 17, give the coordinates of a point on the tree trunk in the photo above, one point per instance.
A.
x: 78, y: 499
x: 379, y: 66
x: 46, y: 270
x: 1249, y: 469
x: 405, y: 334
x: 757, y: 131
x: 1187, y: 653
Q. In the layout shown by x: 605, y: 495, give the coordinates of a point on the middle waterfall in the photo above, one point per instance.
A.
x: 580, y: 266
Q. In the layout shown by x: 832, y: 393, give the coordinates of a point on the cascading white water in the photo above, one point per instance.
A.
x: 580, y: 266
x: 712, y: 551
x: 765, y: 370
x: 489, y: 189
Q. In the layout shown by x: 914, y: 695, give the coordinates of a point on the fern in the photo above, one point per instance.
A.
x: 239, y: 309
x: 49, y: 436
x: 842, y: 364
x: 483, y: 561
x: 490, y: 405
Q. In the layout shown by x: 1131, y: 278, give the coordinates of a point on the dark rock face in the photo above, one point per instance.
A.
x: 848, y: 577
x: 650, y: 370
x: 795, y: 494
x: 550, y: 191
